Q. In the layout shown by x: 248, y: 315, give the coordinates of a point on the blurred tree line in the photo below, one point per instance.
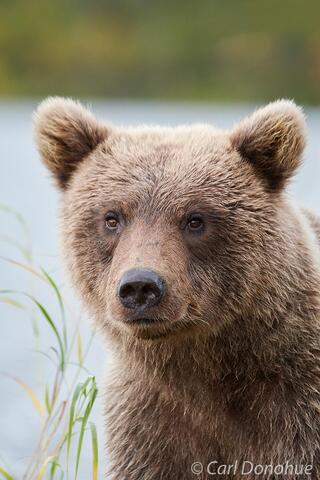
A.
x: 235, y: 50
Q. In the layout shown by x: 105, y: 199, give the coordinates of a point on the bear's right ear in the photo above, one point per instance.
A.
x: 65, y: 133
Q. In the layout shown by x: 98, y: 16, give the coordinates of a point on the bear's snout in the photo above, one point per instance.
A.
x: 140, y: 289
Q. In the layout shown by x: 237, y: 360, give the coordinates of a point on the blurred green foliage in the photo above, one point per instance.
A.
x: 231, y: 50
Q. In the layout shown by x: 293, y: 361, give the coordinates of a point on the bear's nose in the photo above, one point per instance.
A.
x: 140, y: 289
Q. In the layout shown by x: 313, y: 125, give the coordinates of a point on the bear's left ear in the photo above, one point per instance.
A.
x: 65, y: 133
x: 272, y: 139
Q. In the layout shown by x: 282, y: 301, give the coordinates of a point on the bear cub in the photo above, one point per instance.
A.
x: 204, y: 278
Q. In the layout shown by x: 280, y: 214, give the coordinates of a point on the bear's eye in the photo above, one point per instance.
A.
x: 112, y: 221
x: 195, y: 223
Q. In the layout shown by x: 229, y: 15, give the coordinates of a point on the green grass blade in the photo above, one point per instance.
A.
x: 53, y: 470
x: 93, y: 394
x: 23, y: 266
x: 5, y: 474
x: 61, y: 304
x: 47, y: 400
x: 31, y: 394
x: 54, y: 329
x: 95, y: 453
x: 48, y: 319
x: 76, y: 395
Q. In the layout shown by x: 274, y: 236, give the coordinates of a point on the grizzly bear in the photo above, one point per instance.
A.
x: 204, y: 278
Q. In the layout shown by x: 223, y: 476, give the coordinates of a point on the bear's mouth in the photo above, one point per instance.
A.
x: 146, y: 328
x: 143, y: 321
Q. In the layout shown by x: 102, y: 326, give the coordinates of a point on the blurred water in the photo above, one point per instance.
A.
x: 25, y: 186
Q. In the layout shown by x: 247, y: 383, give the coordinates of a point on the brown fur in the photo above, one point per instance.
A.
x: 231, y: 369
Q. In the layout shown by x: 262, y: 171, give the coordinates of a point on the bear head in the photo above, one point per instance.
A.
x: 173, y: 231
